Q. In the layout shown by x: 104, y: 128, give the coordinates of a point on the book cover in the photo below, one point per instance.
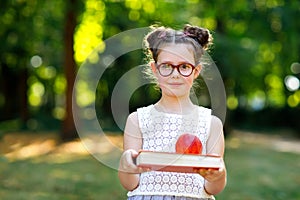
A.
x: 174, y: 162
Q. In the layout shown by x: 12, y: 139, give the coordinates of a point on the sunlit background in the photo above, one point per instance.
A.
x: 256, y: 48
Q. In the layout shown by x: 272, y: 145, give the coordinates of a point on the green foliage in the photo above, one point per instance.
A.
x: 29, y: 28
x: 256, y: 45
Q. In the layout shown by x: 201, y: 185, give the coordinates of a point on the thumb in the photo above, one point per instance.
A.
x: 134, y: 154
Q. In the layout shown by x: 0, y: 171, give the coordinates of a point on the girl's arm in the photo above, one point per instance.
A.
x: 128, y: 171
x: 215, y: 180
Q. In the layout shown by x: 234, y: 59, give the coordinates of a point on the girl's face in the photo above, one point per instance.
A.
x: 175, y: 84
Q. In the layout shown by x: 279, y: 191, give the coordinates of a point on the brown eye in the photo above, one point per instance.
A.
x: 185, y: 66
x: 166, y: 66
x: 165, y: 69
x: 185, y: 69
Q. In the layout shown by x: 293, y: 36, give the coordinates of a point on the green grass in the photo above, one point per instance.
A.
x: 254, y: 172
x: 83, y: 178
x: 259, y: 173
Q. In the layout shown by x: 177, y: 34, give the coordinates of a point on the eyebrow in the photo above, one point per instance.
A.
x: 171, y: 62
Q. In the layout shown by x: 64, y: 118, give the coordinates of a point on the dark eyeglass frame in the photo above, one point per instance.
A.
x: 173, y: 67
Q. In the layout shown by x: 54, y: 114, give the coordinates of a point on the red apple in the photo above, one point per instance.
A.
x: 188, y: 144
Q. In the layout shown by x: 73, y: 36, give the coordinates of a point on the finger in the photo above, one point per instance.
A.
x: 202, y: 172
x: 221, y: 169
x: 144, y: 169
x: 127, y: 162
x: 212, y: 171
x: 134, y: 154
x: 130, y: 156
x: 214, y: 154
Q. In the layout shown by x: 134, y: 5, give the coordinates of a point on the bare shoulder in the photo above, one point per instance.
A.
x: 132, y: 133
x: 216, y: 126
x: 132, y: 117
x: 215, y: 141
x: 216, y: 122
x: 132, y: 124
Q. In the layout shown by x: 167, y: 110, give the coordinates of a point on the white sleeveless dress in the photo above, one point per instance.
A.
x: 160, y: 132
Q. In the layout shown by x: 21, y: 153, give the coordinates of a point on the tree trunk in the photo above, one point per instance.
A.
x: 68, y: 126
x: 9, y: 85
x: 24, y: 114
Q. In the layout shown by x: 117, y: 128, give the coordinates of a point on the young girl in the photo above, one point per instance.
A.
x: 175, y: 64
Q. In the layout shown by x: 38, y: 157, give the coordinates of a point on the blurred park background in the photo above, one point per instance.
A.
x: 44, y: 43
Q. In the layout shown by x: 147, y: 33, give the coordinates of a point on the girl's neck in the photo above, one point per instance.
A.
x: 175, y: 105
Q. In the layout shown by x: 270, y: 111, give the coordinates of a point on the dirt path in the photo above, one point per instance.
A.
x: 15, y: 146
x: 278, y: 142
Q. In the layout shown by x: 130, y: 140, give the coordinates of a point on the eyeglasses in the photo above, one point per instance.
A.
x: 166, y: 69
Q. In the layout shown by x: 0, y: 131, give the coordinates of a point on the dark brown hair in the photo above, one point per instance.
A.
x: 199, y: 38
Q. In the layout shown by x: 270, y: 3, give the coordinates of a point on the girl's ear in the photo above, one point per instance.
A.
x: 197, y: 69
x: 153, y: 67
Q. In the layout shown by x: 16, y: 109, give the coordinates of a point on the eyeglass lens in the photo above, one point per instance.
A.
x: 166, y: 69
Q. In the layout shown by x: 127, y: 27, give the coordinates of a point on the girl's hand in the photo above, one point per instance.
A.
x: 127, y: 163
x: 212, y: 175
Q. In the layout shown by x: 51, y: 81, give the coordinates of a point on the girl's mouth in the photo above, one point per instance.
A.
x: 175, y: 84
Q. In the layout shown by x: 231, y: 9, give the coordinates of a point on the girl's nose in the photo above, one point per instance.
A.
x: 175, y: 73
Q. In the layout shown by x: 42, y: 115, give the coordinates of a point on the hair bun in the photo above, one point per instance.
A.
x: 201, y: 35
